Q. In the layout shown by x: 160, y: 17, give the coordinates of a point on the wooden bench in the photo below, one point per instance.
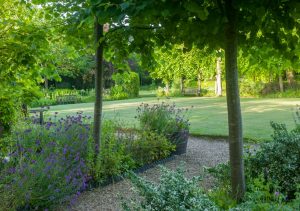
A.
x: 190, y: 91
x: 66, y: 99
x: 41, y: 112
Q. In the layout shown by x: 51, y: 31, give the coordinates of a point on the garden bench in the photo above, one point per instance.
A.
x: 65, y: 99
x: 41, y: 112
x: 190, y: 91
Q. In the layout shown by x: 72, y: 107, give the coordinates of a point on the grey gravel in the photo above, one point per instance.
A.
x: 200, y: 153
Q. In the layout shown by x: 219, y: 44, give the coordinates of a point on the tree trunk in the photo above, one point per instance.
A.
x: 290, y: 77
x: 98, y: 87
x: 199, y: 84
x: 46, y: 83
x: 233, y: 104
x: 181, y: 86
x: 219, y: 78
x: 280, y: 82
x: 167, y: 89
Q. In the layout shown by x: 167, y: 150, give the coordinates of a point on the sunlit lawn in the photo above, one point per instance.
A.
x: 208, y: 115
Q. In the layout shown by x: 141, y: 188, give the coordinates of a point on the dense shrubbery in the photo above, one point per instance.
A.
x: 8, y: 111
x: 60, y: 96
x: 127, y: 85
x: 162, y: 118
x: 249, y: 88
x: 128, y: 150
x: 173, y: 192
x: 278, y: 161
x: 42, y: 166
x: 149, y: 146
x: 272, y: 174
x: 46, y: 164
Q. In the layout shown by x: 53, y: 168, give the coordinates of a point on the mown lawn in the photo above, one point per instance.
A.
x: 208, y: 115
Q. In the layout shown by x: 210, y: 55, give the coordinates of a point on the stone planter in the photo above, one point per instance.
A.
x: 180, y: 139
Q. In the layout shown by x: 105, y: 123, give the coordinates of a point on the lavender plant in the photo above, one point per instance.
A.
x: 47, y: 165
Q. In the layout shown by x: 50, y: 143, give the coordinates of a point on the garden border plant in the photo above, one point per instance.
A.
x: 167, y: 120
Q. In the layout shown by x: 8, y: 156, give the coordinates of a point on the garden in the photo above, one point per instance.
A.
x: 118, y: 105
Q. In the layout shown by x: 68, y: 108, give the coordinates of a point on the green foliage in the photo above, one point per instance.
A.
x: 45, y: 166
x: 122, y: 151
x: 149, y: 147
x: 8, y: 112
x: 114, y: 159
x: 250, y: 88
x: 117, y: 93
x: 164, y: 119
x: 297, y: 117
x: 269, y: 161
x: 173, y: 192
x: 63, y: 96
x: 271, y: 177
x: 127, y: 83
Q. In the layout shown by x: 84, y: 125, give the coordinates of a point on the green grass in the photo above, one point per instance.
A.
x: 208, y: 116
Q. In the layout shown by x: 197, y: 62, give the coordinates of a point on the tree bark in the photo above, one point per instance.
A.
x: 98, y: 87
x: 46, y: 83
x: 167, y: 89
x: 233, y: 104
x: 181, y: 86
x: 280, y: 82
x: 290, y: 77
x: 219, y: 78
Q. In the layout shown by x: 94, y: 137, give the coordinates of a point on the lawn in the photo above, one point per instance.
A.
x: 208, y: 115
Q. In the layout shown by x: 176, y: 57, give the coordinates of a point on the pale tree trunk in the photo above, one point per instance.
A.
x: 280, y: 82
x: 181, y: 85
x: 199, y: 84
x: 290, y: 77
x: 233, y: 104
x: 167, y: 89
x: 98, y: 87
x: 218, y: 90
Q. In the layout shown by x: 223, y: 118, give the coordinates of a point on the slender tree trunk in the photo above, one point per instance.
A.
x: 167, y: 89
x: 181, y: 86
x: 233, y: 104
x: 199, y: 84
x: 219, y: 78
x: 46, y: 83
x: 280, y: 82
x: 98, y: 87
x: 290, y: 77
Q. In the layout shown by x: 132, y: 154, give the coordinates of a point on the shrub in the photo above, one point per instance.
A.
x: 47, y: 165
x: 128, y: 82
x: 279, y: 160
x: 173, y: 192
x: 113, y: 159
x: 297, y: 117
x: 250, y: 88
x: 149, y: 146
x: 117, y: 93
x: 128, y: 150
x: 163, y: 119
x: 275, y: 167
x: 8, y: 113
x: 160, y: 92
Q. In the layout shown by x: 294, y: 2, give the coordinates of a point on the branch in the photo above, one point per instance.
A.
x: 131, y: 27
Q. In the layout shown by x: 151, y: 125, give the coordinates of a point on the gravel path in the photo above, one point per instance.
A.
x: 200, y: 152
